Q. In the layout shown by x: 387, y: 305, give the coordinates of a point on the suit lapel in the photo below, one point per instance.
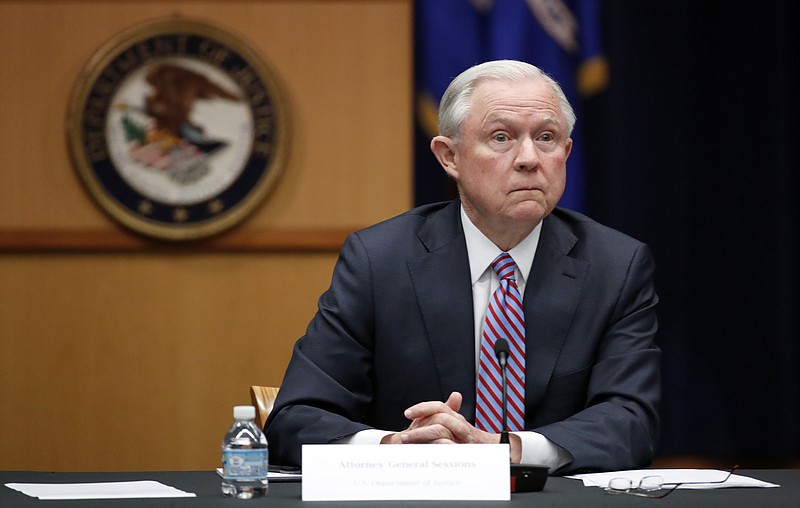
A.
x: 442, y: 284
x: 550, y: 300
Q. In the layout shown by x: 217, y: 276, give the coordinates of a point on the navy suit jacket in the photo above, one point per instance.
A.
x: 396, y: 328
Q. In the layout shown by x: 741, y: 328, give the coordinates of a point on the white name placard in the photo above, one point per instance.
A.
x: 337, y: 472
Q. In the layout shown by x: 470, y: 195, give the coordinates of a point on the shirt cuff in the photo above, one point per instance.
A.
x: 369, y: 436
x: 537, y: 449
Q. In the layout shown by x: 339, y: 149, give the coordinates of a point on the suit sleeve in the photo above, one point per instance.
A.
x: 327, y: 385
x: 618, y: 427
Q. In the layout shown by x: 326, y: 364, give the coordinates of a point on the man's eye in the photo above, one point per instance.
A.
x: 546, y: 137
x: 500, y: 137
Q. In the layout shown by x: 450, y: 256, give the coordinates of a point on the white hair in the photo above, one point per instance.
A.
x: 455, y: 103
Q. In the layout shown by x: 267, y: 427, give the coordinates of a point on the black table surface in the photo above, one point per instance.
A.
x: 557, y: 492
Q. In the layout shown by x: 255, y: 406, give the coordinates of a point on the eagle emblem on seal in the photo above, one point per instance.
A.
x: 178, y: 129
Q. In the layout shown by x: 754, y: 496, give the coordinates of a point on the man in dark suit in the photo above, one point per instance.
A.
x: 392, y: 354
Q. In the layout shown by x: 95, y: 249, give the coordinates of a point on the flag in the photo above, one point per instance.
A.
x: 561, y: 37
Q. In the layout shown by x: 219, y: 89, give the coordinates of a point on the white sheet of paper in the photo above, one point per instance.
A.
x: 104, y: 490
x: 337, y: 472
x: 673, y: 476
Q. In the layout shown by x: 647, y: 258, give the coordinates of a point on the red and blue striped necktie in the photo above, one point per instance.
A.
x: 504, y: 319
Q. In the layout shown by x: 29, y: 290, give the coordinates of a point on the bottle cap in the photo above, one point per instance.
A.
x: 244, y: 412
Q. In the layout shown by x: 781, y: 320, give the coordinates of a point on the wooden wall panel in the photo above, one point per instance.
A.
x: 134, y: 362
x: 117, y: 354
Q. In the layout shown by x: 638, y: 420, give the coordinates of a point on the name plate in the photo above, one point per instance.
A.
x: 336, y: 472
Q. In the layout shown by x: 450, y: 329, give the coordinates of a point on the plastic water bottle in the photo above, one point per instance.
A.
x: 245, y: 457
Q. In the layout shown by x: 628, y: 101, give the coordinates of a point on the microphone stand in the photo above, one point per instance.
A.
x: 501, y: 350
x: 504, y: 433
x: 524, y: 477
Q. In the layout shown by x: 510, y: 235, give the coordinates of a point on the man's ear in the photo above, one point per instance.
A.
x: 446, y: 152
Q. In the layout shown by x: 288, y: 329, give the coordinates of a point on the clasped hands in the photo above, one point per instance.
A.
x: 435, y: 422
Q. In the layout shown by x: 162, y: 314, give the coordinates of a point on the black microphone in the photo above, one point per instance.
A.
x: 524, y: 477
x: 501, y: 351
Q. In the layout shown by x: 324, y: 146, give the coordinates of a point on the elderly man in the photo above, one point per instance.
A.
x: 401, y: 348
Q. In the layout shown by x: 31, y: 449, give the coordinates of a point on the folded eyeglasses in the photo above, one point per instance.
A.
x: 653, y: 487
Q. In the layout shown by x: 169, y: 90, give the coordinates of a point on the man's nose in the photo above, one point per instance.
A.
x: 527, y: 155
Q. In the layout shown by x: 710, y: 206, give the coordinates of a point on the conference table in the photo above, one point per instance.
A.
x: 557, y: 492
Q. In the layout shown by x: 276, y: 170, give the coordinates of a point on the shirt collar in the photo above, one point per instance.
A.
x: 481, y: 251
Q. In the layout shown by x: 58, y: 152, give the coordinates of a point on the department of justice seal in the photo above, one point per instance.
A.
x: 177, y: 129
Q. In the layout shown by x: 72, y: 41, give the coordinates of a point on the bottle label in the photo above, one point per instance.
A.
x: 245, y: 464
